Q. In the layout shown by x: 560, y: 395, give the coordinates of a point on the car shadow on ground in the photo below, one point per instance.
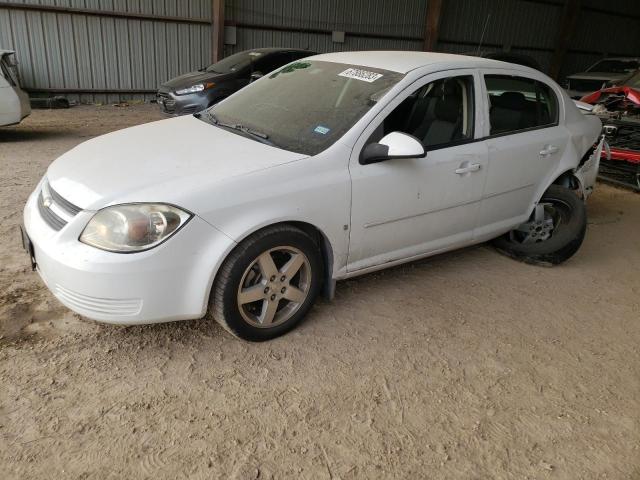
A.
x: 32, y: 134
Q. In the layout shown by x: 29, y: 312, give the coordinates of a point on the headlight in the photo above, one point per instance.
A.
x: 133, y: 227
x: 195, y: 88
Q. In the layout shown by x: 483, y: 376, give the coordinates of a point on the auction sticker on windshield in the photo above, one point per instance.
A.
x: 358, y: 74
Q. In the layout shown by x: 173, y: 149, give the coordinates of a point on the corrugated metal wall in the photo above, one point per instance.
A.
x: 375, y: 19
x: 530, y: 27
x: 79, y: 51
x: 615, y: 31
x: 76, y: 51
x: 492, y: 25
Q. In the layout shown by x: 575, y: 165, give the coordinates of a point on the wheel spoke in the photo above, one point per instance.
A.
x: 267, y: 266
x: 294, y: 294
x: 269, y: 309
x: 528, y: 239
x: 293, y: 265
x: 251, y: 294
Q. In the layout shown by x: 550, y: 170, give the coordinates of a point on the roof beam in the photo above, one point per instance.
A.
x: 432, y: 24
x: 217, y: 30
x: 566, y: 29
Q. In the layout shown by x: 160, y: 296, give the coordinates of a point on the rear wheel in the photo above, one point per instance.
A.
x: 268, y: 284
x: 554, y: 232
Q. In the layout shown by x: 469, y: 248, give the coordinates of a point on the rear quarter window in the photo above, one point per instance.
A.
x: 520, y: 103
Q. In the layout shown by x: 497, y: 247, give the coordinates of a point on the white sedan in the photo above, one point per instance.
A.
x: 328, y: 168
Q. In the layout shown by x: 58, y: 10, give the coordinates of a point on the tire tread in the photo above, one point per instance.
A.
x: 223, y: 278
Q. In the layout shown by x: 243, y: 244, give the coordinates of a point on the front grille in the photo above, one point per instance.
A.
x: 65, y: 204
x: 55, y: 210
x: 621, y: 134
x: 53, y: 220
x: 620, y: 173
x: 585, y: 85
x: 167, y: 103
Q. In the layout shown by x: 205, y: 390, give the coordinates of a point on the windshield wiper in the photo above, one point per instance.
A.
x: 259, y: 136
x: 253, y: 132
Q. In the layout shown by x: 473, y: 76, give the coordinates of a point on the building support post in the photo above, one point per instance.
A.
x: 217, y: 30
x: 566, y: 29
x: 432, y: 24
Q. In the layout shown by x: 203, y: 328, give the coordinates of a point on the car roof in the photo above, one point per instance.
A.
x: 619, y: 58
x: 405, y: 61
x: 278, y: 49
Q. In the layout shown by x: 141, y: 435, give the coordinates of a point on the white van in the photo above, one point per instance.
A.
x: 14, y: 103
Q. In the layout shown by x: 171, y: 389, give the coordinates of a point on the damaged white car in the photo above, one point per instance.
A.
x: 328, y: 168
x: 14, y: 102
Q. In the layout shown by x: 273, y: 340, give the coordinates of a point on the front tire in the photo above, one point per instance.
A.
x: 554, y: 232
x: 267, y: 284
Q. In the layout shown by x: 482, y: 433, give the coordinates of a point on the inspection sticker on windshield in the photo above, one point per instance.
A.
x: 358, y: 74
x: 322, y: 129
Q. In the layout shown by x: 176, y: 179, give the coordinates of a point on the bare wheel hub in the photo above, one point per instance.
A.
x: 539, y: 228
x: 274, y: 286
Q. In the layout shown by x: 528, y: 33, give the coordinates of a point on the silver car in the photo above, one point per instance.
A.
x: 602, y: 74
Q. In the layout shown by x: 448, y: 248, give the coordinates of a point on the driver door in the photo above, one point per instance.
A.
x: 411, y: 207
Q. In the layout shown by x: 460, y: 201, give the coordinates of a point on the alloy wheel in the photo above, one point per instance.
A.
x: 274, y: 286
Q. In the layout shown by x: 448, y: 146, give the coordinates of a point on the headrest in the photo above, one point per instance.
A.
x: 447, y: 109
x: 510, y: 101
x: 451, y: 88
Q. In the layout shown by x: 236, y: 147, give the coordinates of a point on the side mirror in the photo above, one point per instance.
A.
x: 392, y: 146
x: 255, y: 76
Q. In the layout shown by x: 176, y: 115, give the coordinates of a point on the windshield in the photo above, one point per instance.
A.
x: 235, y: 62
x: 307, y: 105
x: 615, y: 66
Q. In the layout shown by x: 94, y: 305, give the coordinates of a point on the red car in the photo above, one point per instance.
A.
x: 619, y: 109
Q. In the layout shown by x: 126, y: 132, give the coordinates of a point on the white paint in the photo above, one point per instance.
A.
x: 402, y: 145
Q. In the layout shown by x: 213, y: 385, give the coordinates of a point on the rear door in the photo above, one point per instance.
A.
x: 525, y: 142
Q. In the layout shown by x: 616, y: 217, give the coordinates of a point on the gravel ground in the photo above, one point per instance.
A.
x: 465, y: 365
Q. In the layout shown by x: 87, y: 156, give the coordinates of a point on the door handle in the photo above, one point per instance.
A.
x: 474, y: 167
x: 548, y: 150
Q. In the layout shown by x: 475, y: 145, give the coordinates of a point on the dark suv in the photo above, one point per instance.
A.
x: 196, y: 91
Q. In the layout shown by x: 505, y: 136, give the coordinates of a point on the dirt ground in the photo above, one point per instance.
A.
x: 466, y: 365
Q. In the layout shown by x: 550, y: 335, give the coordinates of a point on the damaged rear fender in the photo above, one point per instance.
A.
x: 587, y: 171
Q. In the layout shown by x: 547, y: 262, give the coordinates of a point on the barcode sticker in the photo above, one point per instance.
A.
x: 358, y: 74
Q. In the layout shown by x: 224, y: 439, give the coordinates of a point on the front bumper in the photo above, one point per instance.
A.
x: 169, y: 282
x: 172, y: 104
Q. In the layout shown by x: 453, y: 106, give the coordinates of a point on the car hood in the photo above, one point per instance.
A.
x: 631, y: 94
x: 190, y: 79
x: 161, y: 161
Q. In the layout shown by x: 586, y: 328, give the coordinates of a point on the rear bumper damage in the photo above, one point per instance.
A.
x: 588, y: 171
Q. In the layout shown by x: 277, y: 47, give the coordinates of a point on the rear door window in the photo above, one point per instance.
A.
x: 519, y: 103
